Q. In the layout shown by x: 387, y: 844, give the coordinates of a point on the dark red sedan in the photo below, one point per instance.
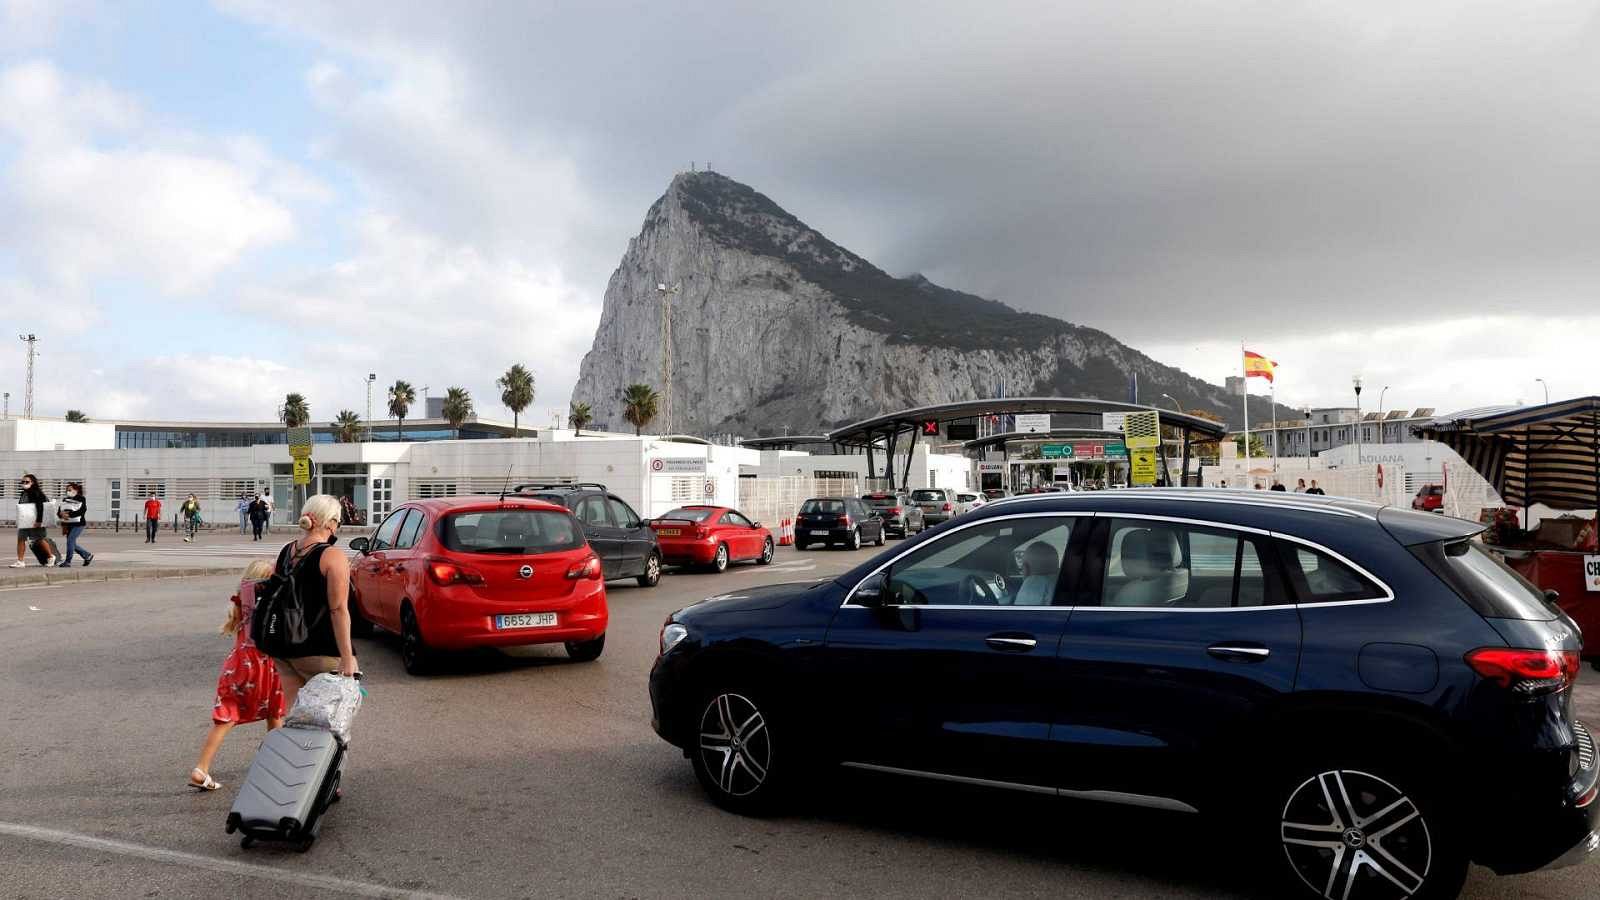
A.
x: 711, y: 536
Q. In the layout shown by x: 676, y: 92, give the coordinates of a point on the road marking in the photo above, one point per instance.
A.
x: 211, y: 863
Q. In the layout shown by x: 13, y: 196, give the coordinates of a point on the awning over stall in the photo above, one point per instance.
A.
x: 1531, y: 454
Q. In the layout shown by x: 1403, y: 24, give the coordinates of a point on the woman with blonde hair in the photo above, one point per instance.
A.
x: 323, y: 583
x: 248, y: 688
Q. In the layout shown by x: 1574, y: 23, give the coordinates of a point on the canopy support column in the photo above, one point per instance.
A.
x: 872, y: 469
x: 911, y: 451
x: 1183, y: 474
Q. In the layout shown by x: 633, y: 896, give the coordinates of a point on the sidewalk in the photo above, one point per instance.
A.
x: 125, y: 555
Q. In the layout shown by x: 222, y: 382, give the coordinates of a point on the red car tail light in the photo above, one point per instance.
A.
x: 448, y: 573
x: 894, y: 510
x: 1530, y: 672
x: 588, y: 567
x: 948, y: 507
x: 844, y: 522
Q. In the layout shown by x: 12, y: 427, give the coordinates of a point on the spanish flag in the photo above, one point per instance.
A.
x: 1257, y: 365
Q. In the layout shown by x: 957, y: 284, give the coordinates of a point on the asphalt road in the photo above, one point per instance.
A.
x: 510, y: 777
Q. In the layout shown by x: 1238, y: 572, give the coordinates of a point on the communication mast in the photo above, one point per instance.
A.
x: 27, y: 389
x: 666, y: 352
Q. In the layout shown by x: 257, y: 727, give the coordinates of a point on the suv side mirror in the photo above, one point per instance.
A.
x: 360, y: 545
x: 873, y: 592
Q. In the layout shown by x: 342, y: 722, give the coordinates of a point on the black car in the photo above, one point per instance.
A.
x: 901, y: 517
x: 837, y: 520
x: 1364, y: 695
x: 625, y: 543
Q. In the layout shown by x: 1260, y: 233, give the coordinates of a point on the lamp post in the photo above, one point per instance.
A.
x: 1357, y: 427
x: 1380, y: 412
x: 371, y: 378
x: 1176, y: 407
x: 1307, y: 411
x: 1546, y: 385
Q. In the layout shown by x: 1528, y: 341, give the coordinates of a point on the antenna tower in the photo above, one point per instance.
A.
x: 27, y: 390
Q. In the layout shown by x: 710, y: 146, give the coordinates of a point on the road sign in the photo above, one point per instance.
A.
x: 300, y: 441
x: 1591, y: 572
x: 930, y: 429
x: 1143, y: 466
x: 1142, y: 430
x: 1056, y: 451
x: 678, y: 465
x: 1033, y: 423
x: 1116, y: 451
x: 302, y: 470
x: 711, y: 488
x: 1112, y: 421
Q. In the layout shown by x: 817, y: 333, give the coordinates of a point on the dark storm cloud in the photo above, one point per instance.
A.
x: 1144, y: 168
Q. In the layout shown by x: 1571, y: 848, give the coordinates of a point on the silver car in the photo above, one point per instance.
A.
x: 937, y: 504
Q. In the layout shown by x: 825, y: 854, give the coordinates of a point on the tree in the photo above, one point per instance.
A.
x: 401, y: 396
x: 640, y: 403
x: 1205, y: 450
x: 75, y: 415
x: 347, y: 427
x: 1256, y: 447
x: 296, y: 412
x: 580, y: 417
x: 516, y: 392
x: 457, y: 407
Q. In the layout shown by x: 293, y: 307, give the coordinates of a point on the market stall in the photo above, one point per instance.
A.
x: 1547, y: 455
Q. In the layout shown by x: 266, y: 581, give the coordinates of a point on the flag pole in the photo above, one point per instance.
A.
x: 1274, y: 423
x: 1245, y: 392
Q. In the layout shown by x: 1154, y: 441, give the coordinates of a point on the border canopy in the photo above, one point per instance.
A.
x: 907, y: 419
x: 1546, y: 454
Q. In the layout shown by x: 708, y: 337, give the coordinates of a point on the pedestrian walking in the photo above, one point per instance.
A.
x: 152, y: 518
x: 248, y: 687
x: 32, y: 529
x: 244, y: 513
x: 322, y: 582
x: 74, y: 516
x: 258, y: 517
x: 1314, y: 489
x: 190, y: 510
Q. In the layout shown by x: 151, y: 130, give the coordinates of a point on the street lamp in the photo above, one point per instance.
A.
x: 1546, y: 386
x: 1307, y: 411
x: 371, y: 378
x: 1380, y: 412
x: 1176, y: 407
x: 1357, y: 427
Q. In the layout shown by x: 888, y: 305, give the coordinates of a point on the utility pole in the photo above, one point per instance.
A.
x: 666, y: 352
x: 27, y: 391
x: 371, y: 378
x: 6, y: 413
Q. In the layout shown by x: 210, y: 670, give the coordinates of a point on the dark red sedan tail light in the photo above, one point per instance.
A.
x: 1530, y: 672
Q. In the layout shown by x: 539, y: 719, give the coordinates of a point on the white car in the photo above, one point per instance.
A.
x: 967, y: 501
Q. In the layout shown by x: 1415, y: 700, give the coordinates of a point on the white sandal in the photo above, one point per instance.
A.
x: 206, y: 784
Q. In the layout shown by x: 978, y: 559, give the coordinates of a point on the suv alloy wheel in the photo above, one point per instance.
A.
x: 735, y: 756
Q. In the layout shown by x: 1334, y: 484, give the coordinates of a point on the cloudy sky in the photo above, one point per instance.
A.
x: 203, y: 206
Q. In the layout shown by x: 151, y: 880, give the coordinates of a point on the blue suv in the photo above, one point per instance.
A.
x: 1365, y: 690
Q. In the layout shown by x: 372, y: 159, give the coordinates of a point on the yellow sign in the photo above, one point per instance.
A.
x: 300, y: 442
x: 302, y: 470
x: 1142, y: 465
x: 1142, y: 430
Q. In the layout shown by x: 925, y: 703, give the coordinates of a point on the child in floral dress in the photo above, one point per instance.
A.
x: 248, y: 689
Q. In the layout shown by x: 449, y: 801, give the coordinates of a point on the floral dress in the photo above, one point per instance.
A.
x: 248, y: 690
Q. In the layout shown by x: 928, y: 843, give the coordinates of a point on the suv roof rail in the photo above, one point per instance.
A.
x: 552, y: 485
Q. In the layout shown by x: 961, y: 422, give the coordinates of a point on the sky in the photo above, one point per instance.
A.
x: 204, y: 206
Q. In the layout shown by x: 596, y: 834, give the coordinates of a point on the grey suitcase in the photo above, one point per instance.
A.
x: 291, y: 783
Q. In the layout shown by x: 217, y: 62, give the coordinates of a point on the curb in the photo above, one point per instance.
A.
x: 45, y: 579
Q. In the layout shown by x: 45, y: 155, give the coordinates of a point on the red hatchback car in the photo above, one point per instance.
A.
x: 465, y: 572
x: 711, y: 536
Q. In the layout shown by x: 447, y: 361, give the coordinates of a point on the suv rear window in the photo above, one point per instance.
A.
x: 519, y: 531
x: 822, y: 506
x: 926, y: 496
x: 1488, y: 585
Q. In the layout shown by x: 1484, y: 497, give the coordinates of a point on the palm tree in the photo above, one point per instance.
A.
x: 347, y: 427
x: 75, y: 415
x: 516, y: 392
x: 580, y: 418
x: 457, y: 408
x: 640, y: 403
x: 401, y: 396
x: 296, y: 412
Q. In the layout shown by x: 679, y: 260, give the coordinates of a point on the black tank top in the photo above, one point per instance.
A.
x: 313, y: 589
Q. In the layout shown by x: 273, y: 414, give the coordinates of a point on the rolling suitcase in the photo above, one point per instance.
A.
x: 39, y: 550
x: 291, y: 783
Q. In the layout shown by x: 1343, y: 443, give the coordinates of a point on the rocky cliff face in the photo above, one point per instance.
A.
x: 774, y: 327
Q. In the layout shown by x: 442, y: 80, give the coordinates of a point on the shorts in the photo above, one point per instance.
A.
x: 305, y: 667
x: 32, y: 534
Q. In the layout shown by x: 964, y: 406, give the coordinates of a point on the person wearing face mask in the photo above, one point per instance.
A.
x: 31, y: 526
x: 74, y: 517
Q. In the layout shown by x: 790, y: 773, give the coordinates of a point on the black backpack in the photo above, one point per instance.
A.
x: 280, y: 625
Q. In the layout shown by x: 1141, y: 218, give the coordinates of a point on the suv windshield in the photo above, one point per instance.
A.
x: 520, y: 531
x: 823, y: 506
x: 924, y: 496
x: 691, y: 515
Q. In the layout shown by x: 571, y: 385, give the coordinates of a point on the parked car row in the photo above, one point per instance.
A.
x: 849, y: 522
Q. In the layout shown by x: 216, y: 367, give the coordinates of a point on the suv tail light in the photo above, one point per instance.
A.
x: 448, y: 573
x: 588, y: 567
x: 1528, y: 672
x: 948, y: 507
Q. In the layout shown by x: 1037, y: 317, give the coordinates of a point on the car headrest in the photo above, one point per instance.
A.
x: 1039, y: 558
x: 514, y: 528
x: 1149, y: 552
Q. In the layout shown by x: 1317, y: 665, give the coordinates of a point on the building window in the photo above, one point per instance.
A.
x: 145, y: 489
x: 114, y: 491
x: 427, y: 489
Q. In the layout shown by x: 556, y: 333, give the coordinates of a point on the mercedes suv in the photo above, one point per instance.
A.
x: 1365, y: 695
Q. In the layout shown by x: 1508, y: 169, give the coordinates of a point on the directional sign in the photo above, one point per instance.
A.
x: 1112, y: 421
x: 1142, y: 430
x: 302, y: 470
x: 1056, y: 451
x: 678, y: 465
x: 1033, y: 423
x: 1143, y: 466
x: 1116, y: 451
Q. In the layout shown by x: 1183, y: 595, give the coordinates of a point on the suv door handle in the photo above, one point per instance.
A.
x: 1239, y: 652
x: 1011, y: 642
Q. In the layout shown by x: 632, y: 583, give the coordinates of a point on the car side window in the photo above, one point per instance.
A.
x: 1170, y: 565
x: 408, y: 533
x: 1004, y: 562
x: 622, y: 514
x: 383, y: 538
x: 1319, y: 578
x: 592, y: 512
x: 732, y: 518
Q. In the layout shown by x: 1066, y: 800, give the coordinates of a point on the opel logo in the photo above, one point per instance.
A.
x: 526, y: 571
